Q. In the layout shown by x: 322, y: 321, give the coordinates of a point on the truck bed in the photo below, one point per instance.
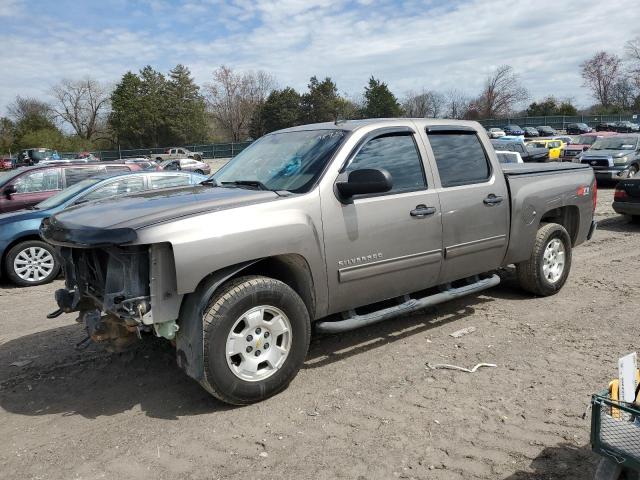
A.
x: 511, y: 169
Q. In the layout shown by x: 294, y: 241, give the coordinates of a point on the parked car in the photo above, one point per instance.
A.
x: 615, y: 157
x: 26, y: 186
x: 144, y: 163
x: 553, y: 146
x: 26, y: 260
x: 627, y: 127
x: 513, y: 130
x: 188, y: 164
x: 315, y: 226
x: 6, y: 163
x: 87, y: 157
x: 505, y: 156
x: 626, y: 198
x: 177, y: 153
x: 606, y: 127
x: 546, y: 131
x: 582, y: 144
x: 578, y: 128
x: 564, y: 139
x: 527, y: 153
x: 531, y: 132
x: 495, y: 132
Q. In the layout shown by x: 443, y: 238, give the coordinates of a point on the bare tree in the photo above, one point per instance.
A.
x: 24, y: 107
x: 456, y: 104
x: 632, y: 50
x: 82, y: 104
x: 501, y: 93
x: 233, y: 97
x: 423, y: 104
x: 601, y: 73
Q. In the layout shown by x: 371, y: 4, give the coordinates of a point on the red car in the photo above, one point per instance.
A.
x: 6, y: 163
x: 24, y: 187
x: 584, y: 142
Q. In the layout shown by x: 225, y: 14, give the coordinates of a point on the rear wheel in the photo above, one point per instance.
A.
x: 32, y: 263
x: 256, y: 337
x: 199, y: 172
x: 547, y: 269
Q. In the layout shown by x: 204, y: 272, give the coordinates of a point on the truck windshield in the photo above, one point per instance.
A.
x: 616, y: 143
x: 282, y: 161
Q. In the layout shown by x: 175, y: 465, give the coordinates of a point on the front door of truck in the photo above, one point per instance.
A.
x: 384, y: 245
x: 474, y: 201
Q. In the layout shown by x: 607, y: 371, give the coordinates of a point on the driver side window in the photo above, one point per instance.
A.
x: 398, y: 154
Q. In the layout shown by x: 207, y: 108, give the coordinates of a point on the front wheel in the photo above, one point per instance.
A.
x: 256, y: 337
x: 31, y: 263
x: 199, y: 172
x: 547, y: 269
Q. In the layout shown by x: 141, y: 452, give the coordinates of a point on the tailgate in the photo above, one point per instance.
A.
x: 631, y: 186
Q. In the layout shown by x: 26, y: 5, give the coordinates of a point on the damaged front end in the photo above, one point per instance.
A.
x: 119, y: 291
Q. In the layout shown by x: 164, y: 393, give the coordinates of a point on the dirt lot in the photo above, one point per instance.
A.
x: 364, y: 406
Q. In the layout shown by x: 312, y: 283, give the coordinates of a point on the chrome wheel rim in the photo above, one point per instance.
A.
x: 33, y: 264
x: 258, y: 343
x: 553, y: 260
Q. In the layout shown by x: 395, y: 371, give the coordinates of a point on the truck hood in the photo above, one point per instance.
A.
x: 150, y: 207
x: 591, y: 153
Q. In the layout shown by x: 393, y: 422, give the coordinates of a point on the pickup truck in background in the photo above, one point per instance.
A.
x: 331, y: 226
x: 528, y: 153
x: 614, y: 158
x: 176, y: 153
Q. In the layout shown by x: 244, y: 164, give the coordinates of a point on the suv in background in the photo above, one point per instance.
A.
x: 578, y: 128
x: 572, y: 152
x: 626, y: 127
x: 24, y: 187
x: 32, y: 156
x: 606, y: 127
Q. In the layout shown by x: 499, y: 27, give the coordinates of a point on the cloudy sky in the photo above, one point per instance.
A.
x: 435, y: 44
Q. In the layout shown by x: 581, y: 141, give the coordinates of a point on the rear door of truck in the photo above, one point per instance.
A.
x: 474, y: 200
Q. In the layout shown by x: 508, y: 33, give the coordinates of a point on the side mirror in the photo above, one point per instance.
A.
x: 364, y: 181
x: 9, y: 190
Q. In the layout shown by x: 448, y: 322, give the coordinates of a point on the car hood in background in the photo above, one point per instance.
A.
x: 591, y: 153
x: 150, y: 207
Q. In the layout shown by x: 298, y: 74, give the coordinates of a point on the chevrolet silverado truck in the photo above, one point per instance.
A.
x: 177, y: 153
x: 332, y: 226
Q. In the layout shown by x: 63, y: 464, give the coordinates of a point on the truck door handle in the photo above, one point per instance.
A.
x: 422, y: 211
x: 492, y: 199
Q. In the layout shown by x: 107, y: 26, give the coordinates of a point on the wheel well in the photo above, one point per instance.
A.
x: 14, y: 243
x: 291, y: 269
x: 568, y: 217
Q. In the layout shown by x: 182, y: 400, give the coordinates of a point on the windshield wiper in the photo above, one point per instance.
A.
x: 248, y: 183
x: 210, y: 181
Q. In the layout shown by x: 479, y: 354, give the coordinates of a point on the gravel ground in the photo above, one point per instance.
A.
x: 364, y: 406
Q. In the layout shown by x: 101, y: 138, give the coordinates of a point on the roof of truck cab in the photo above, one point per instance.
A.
x: 351, y: 125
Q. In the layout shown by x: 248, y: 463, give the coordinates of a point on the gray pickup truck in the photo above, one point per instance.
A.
x: 332, y: 226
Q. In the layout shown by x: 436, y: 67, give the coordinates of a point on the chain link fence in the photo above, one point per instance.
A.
x: 209, y: 151
x: 559, y: 122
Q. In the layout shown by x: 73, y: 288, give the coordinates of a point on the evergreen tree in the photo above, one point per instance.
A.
x: 321, y: 103
x: 380, y: 102
x: 280, y: 110
x: 125, y: 119
x: 185, y: 116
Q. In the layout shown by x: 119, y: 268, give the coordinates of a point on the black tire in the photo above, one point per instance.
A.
x: 633, y: 169
x: 227, y: 305
x: 197, y: 157
x: 199, y: 172
x: 530, y: 273
x: 22, y: 246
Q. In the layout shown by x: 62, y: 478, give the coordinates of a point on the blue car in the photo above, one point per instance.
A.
x: 513, y: 130
x: 27, y: 260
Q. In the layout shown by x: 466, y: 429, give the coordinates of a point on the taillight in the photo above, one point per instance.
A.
x: 620, y: 195
x: 594, y: 189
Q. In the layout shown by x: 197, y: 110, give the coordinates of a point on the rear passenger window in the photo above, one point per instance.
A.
x: 75, y: 174
x: 460, y: 158
x: 167, y: 181
x: 398, y: 155
x: 39, y: 181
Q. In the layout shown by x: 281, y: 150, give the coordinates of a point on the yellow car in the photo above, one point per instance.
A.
x: 554, y: 146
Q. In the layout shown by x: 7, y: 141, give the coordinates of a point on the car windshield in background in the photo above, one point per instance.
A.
x: 283, y: 161
x: 5, y: 177
x: 587, y: 139
x: 41, y: 154
x: 514, y: 127
x: 537, y: 145
x: 616, y: 143
x: 66, y: 194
